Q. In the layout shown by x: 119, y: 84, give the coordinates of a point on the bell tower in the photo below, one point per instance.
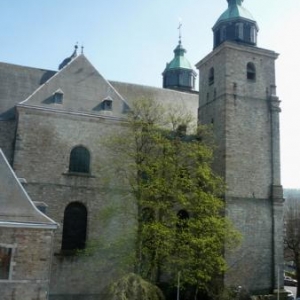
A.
x: 237, y: 96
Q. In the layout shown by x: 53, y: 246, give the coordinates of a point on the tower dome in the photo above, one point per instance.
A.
x: 235, y: 24
x: 179, y: 74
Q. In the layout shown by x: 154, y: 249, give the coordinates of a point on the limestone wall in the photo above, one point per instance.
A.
x: 43, y: 147
x: 30, y: 263
x: 239, y: 110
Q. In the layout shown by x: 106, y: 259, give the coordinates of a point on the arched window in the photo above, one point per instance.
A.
x: 211, y: 76
x: 251, y: 73
x: 74, y: 227
x: 183, y: 217
x: 79, y: 160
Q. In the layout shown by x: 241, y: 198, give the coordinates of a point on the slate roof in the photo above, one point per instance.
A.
x: 16, y: 84
x: 134, y: 92
x: 15, y: 205
x: 83, y: 89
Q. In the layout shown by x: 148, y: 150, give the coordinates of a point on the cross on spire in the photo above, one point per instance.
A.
x: 179, y: 30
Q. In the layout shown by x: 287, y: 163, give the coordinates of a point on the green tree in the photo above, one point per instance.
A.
x: 292, y: 232
x: 181, y: 227
x: 132, y: 287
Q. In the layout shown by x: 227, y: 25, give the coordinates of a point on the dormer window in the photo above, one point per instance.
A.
x: 58, y: 97
x: 106, y: 104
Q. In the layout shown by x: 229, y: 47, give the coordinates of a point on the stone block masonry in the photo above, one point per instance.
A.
x: 29, y: 266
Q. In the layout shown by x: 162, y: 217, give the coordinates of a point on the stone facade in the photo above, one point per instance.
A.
x: 30, y: 263
x: 40, y: 147
x: 247, y: 155
x: 44, y: 142
x: 26, y: 241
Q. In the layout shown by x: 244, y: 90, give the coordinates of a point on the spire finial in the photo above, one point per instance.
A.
x: 75, y: 50
x: 179, y: 30
x: 82, y: 47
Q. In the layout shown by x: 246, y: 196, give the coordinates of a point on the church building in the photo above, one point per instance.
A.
x: 52, y: 128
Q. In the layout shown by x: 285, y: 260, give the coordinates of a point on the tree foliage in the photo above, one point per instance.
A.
x: 181, y: 225
x: 132, y: 287
x: 292, y: 232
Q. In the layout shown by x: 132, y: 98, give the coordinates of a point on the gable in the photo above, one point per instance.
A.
x: 82, y: 88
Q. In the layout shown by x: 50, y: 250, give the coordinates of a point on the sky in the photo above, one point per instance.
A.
x: 132, y: 40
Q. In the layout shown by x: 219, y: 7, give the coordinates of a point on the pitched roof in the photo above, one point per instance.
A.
x: 83, y: 90
x: 15, y: 205
x: 134, y: 92
x: 16, y: 84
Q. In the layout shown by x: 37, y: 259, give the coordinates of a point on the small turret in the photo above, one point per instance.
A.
x: 235, y: 24
x: 179, y: 74
x: 70, y: 58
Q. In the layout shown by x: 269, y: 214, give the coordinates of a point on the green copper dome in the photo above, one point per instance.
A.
x: 235, y: 10
x: 236, y: 24
x: 179, y: 61
x: 179, y: 74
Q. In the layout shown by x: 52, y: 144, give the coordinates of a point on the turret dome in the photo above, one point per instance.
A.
x: 179, y: 73
x: 235, y: 24
x: 179, y: 60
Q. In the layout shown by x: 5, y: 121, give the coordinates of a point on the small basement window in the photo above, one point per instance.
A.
x: 5, y: 261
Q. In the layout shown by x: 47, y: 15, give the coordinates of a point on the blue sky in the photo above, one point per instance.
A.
x: 131, y: 40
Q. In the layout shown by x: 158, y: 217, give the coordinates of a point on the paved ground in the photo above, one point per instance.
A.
x: 293, y: 289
